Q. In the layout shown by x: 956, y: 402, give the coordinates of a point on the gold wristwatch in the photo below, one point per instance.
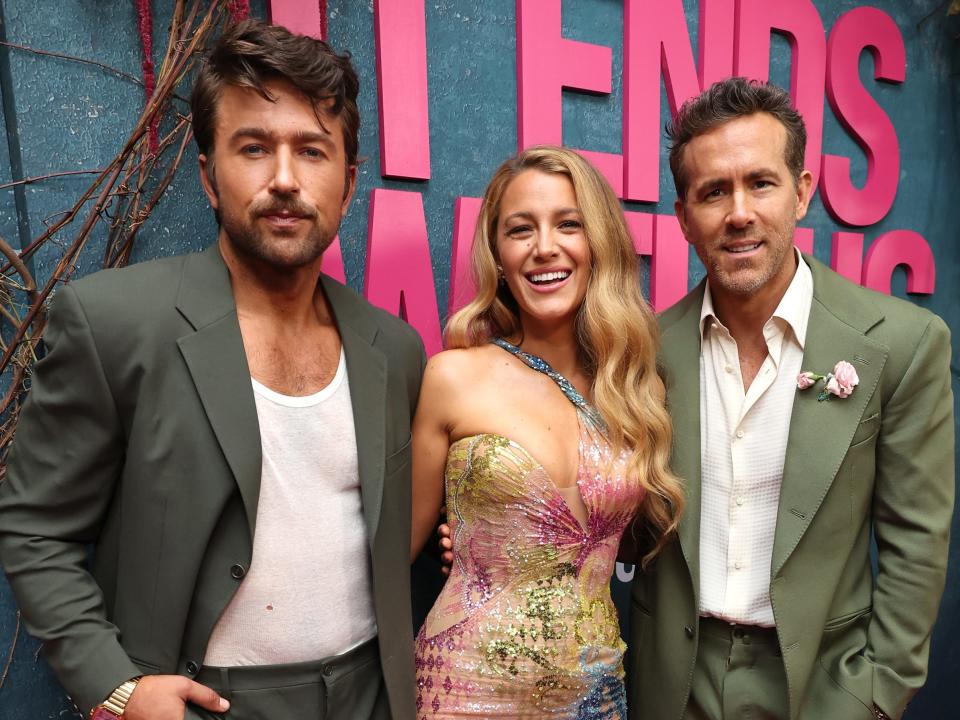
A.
x: 112, y: 708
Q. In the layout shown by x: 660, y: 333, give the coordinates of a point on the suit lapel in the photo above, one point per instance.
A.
x: 217, y: 363
x: 367, y: 373
x: 681, y: 359
x: 820, y: 432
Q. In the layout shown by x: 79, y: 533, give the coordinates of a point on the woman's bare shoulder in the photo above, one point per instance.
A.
x: 454, y: 366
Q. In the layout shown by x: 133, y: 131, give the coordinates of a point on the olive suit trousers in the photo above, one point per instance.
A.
x: 739, y: 674
x: 344, y: 687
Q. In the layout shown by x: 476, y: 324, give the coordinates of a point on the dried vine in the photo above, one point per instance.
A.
x: 118, y: 201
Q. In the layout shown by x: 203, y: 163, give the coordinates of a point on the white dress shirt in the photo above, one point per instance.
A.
x: 743, y: 441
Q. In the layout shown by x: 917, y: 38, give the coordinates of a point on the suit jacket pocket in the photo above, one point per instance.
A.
x: 842, y: 621
x: 841, y: 656
x: 867, y: 429
x: 398, y: 458
x: 147, y: 668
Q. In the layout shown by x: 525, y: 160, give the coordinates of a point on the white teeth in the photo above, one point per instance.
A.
x: 550, y: 276
x: 746, y: 248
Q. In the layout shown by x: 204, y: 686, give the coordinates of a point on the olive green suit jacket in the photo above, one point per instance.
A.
x: 140, y: 436
x: 881, y: 460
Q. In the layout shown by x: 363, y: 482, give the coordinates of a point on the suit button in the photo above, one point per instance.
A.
x: 237, y: 571
x: 689, y: 631
x: 192, y: 668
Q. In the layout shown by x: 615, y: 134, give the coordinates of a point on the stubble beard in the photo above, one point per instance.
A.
x: 740, y: 280
x: 278, y: 250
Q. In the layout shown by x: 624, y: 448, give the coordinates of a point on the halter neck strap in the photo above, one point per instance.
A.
x: 542, y: 366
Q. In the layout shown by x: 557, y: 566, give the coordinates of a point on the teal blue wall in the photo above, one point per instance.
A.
x: 70, y: 116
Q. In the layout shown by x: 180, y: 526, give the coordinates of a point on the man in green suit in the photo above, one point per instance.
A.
x: 230, y: 430
x: 765, y: 606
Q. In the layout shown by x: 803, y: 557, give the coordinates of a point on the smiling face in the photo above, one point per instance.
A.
x: 742, y: 205
x: 280, y: 181
x: 542, y: 247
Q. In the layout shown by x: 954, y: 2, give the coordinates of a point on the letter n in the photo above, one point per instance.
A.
x: 656, y: 40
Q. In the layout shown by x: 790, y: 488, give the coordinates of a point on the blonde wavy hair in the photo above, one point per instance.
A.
x: 616, y: 331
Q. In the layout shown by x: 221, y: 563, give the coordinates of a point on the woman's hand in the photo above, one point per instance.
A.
x: 446, y: 548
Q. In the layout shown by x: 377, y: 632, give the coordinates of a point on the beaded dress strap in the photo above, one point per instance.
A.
x: 541, y: 365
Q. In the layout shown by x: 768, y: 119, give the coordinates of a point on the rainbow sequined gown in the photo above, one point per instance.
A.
x: 525, y: 626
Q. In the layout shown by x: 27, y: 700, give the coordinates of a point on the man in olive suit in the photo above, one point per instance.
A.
x: 765, y: 606
x: 230, y: 430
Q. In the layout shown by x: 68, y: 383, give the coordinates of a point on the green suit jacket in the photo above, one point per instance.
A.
x: 140, y: 436
x: 880, y: 460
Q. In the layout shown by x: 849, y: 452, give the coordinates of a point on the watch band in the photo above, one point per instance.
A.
x: 879, y: 714
x: 117, y: 702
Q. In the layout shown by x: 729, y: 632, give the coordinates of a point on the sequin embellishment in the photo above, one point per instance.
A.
x: 541, y: 365
x: 525, y: 626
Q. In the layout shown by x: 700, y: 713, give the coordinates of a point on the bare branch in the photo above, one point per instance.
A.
x: 48, y: 176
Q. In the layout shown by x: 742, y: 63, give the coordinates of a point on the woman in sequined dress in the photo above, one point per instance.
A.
x: 543, y: 430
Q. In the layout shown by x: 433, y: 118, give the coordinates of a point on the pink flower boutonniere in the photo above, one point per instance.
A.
x: 841, y: 382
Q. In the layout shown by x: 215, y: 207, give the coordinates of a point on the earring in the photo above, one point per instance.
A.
x: 500, y: 276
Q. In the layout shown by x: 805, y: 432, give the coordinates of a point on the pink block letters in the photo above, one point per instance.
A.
x: 641, y: 230
x: 332, y: 263
x: 733, y: 38
x: 863, y: 27
x: 846, y: 256
x: 401, y: 40
x: 656, y: 40
x: 303, y: 18
x: 462, y: 290
x: 399, y: 277
x: 546, y: 64
x: 803, y: 239
x: 800, y: 22
x: 668, y: 267
x: 900, y: 247
x: 660, y: 238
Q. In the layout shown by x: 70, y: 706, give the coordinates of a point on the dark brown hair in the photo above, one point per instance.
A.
x: 253, y: 52
x: 728, y: 100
